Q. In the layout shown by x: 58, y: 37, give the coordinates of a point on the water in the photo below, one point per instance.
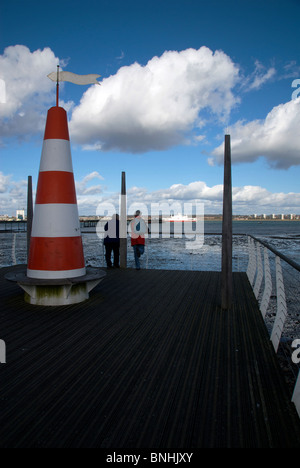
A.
x: 174, y: 253
x: 13, y: 248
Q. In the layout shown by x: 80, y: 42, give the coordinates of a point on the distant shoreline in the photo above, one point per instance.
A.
x: 206, y: 218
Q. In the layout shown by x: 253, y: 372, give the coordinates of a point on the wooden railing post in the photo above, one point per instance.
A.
x: 29, y: 212
x: 226, y: 288
x: 123, y: 224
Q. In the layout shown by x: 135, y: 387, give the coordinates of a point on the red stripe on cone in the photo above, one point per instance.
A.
x: 57, y: 124
x: 56, y: 187
x: 56, y: 253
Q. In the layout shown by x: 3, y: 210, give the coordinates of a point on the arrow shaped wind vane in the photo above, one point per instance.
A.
x: 72, y: 78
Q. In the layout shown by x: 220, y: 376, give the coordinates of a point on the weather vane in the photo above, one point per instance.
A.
x: 72, y: 78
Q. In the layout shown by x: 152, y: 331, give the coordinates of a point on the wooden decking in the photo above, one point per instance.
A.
x: 150, y: 361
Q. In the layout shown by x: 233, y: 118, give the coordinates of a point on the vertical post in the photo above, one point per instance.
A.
x: 296, y: 394
x: 57, y: 87
x: 123, y: 224
x: 2, y: 352
x: 29, y: 212
x: 226, y: 285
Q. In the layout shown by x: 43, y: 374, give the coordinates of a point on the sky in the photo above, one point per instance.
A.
x: 176, y: 77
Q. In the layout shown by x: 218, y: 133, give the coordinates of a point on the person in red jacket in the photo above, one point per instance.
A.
x: 138, y: 229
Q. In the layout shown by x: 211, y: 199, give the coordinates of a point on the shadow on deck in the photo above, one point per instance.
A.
x: 150, y: 361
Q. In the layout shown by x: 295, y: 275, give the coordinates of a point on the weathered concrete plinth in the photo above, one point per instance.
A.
x: 52, y: 292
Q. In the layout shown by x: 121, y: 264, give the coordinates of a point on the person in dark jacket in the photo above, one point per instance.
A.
x: 112, y: 241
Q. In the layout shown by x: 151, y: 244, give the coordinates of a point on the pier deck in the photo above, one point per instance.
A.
x: 150, y: 361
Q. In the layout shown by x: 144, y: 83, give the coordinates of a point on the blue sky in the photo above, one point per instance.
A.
x: 176, y: 75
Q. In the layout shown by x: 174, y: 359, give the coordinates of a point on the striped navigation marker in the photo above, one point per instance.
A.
x: 56, y: 273
x: 56, y: 249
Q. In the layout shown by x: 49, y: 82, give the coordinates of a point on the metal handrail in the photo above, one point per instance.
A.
x: 278, y: 254
x: 256, y: 269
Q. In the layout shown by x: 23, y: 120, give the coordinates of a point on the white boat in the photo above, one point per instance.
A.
x: 178, y: 219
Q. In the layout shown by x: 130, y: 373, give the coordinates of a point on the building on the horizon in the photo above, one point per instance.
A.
x: 20, y: 215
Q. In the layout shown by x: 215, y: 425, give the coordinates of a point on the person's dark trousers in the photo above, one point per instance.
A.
x: 138, y: 251
x: 109, y: 249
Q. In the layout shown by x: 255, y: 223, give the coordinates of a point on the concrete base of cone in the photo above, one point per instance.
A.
x: 57, y: 292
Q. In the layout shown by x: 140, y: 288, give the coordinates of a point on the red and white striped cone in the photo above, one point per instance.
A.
x: 56, y: 250
x: 56, y: 273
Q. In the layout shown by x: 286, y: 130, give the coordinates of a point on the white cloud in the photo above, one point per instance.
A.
x: 258, y: 77
x: 259, y: 199
x: 193, y: 191
x: 2, y: 91
x: 277, y: 138
x: 153, y: 107
x: 291, y: 70
x: 121, y: 56
x: 242, y: 197
x: 13, y: 194
x: 4, y: 182
x: 246, y: 200
x: 27, y: 89
x: 140, y: 108
x: 262, y: 78
x: 82, y: 187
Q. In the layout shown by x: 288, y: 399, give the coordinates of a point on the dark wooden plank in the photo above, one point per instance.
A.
x: 150, y: 361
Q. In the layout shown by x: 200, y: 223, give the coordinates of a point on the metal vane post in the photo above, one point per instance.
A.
x: 57, y: 86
